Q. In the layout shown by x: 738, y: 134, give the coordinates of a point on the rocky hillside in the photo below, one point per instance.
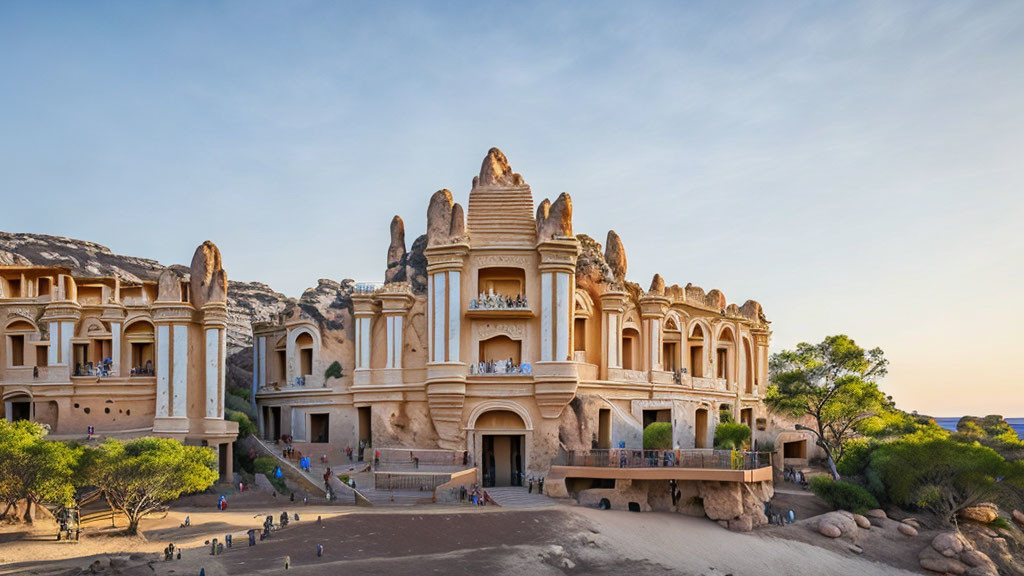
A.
x: 247, y: 301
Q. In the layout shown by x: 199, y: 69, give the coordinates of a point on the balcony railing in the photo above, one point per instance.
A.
x: 696, y: 458
x: 492, y: 301
x: 500, y: 368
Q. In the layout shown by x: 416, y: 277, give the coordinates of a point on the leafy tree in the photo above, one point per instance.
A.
x: 835, y: 384
x: 658, y: 436
x: 731, y: 436
x: 141, y: 475
x: 936, y: 472
x: 35, y: 469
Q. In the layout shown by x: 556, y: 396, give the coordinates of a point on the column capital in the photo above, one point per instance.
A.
x: 559, y: 254
x: 215, y: 315
x: 446, y: 257
x: 653, y: 306
x: 172, y: 313
x: 614, y: 301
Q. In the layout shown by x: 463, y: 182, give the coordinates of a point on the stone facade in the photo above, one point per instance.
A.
x: 128, y: 358
x: 567, y: 354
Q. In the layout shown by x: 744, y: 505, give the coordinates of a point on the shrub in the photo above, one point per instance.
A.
x: 264, y: 465
x: 658, y: 436
x: 232, y: 402
x: 245, y: 426
x: 333, y: 371
x: 938, y: 473
x: 843, y: 495
x: 856, y: 456
x: 731, y: 436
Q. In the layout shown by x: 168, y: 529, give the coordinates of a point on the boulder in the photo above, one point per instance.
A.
x: 168, y: 287
x: 1018, y: 517
x: 615, y: 256
x: 722, y: 500
x: 906, y: 529
x: 657, y: 285
x: 876, y: 513
x: 457, y: 229
x: 983, y: 513
x: 862, y: 521
x: 836, y: 524
x: 913, y: 522
x: 949, y: 544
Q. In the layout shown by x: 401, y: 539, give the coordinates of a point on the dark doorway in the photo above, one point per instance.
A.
x: 502, y: 460
x: 319, y: 428
x: 223, y: 461
x: 701, y: 429
x: 21, y: 411
x: 652, y: 416
x: 604, y: 428
x: 271, y: 422
x: 365, y: 429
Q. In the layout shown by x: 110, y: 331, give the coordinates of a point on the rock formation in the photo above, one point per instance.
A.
x: 554, y: 219
x: 952, y: 553
x: 657, y: 285
x: 495, y: 171
x: 445, y: 219
x: 715, y: 299
x: 209, y: 281
x: 169, y: 287
x: 591, y: 268
x: 615, y: 256
x: 396, y: 250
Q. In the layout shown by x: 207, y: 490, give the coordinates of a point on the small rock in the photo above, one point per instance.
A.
x: 568, y: 564
x: 862, y: 521
x: 856, y: 549
x: 906, y: 529
x: 912, y: 522
x: 1019, y: 517
x: 983, y: 513
x: 949, y: 544
x: 830, y: 530
x: 741, y: 524
x: 876, y: 513
x: 930, y: 559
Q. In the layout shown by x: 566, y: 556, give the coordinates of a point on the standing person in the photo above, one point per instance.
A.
x: 319, y: 550
x: 376, y: 457
x: 252, y: 537
x: 287, y: 562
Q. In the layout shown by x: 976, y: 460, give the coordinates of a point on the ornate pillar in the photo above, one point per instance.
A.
x: 172, y: 321
x: 446, y: 374
x: 215, y: 316
x: 652, y: 309
x: 613, y: 304
x: 396, y: 300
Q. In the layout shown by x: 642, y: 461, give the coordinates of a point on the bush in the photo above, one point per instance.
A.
x: 658, y: 436
x: 731, y: 436
x: 264, y: 465
x: 937, y: 473
x: 245, y: 426
x: 843, y: 495
x: 856, y: 456
x: 232, y: 402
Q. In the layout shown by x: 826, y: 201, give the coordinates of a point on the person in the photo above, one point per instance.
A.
x: 319, y: 550
x: 540, y: 485
x: 284, y: 519
x: 227, y: 540
x: 188, y: 521
x: 252, y: 537
x: 241, y: 486
x: 291, y: 497
x: 213, y: 547
x: 179, y: 554
x: 287, y: 562
x: 348, y: 452
x: 376, y: 457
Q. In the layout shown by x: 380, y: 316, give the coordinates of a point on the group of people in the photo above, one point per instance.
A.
x: 500, y: 367
x: 530, y: 481
x: 305, y: 464
x: 102, y: 368
x: 144, y: 370
x: 491, y: 301
x: 222, y: 503
x: 169, y: 552
x: 64, y: 528
x: 473, y: 495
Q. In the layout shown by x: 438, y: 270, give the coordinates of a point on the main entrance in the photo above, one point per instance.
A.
x: 503, y: 460
x: 502, y: 444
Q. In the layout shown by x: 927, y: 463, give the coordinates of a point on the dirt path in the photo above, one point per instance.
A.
x: 494, y: 542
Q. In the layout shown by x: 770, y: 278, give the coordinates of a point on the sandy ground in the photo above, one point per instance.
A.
x: 428, y: 540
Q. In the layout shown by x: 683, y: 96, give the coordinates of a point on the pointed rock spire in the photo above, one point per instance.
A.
x: 615, y: 256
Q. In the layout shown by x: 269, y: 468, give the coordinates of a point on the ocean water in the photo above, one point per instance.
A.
x: 1015, y: 423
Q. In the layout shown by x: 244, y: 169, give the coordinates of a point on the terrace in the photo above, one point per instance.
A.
x: 694, y: 464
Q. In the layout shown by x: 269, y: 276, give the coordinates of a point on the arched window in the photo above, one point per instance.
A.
x: 630, y: 349
x: 696, y: 342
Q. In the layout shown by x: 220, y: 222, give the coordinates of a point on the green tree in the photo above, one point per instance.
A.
x: 835, y: 384
x: 35, y: 469
x: 658, y: 436
x: 333, y: 371
x: 731, y: 436
x: 245, y: 425
x: 933, y: 471
x: 140, y: 476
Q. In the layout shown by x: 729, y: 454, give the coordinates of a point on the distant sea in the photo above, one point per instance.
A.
x: 1015, y: 423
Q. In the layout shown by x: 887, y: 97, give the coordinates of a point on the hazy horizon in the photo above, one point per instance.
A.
x: 853, y: 167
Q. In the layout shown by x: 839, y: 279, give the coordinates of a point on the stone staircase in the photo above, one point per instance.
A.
x: 518, y: 497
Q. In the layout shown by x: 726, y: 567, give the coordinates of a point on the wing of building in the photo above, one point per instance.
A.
x: 506, y: 337
x: 118, y: 358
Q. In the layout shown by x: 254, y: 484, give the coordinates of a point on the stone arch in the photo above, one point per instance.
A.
x: 19, y: 323
x: 92, y: 324
x: 298, y: 362
x: 698, y: 347
x: 499, y: 405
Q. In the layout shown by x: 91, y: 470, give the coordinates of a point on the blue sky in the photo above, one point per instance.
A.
x: 855, y: 167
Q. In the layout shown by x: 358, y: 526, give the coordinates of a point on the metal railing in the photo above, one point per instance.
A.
x: 695, y: 458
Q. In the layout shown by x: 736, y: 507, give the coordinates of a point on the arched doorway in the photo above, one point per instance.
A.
x: 502, y: 439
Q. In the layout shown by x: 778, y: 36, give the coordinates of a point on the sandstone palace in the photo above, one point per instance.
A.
x: 116, y: 357
x: 507, y: 338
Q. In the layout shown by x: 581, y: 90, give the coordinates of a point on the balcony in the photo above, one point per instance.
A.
x: 696, y: 464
